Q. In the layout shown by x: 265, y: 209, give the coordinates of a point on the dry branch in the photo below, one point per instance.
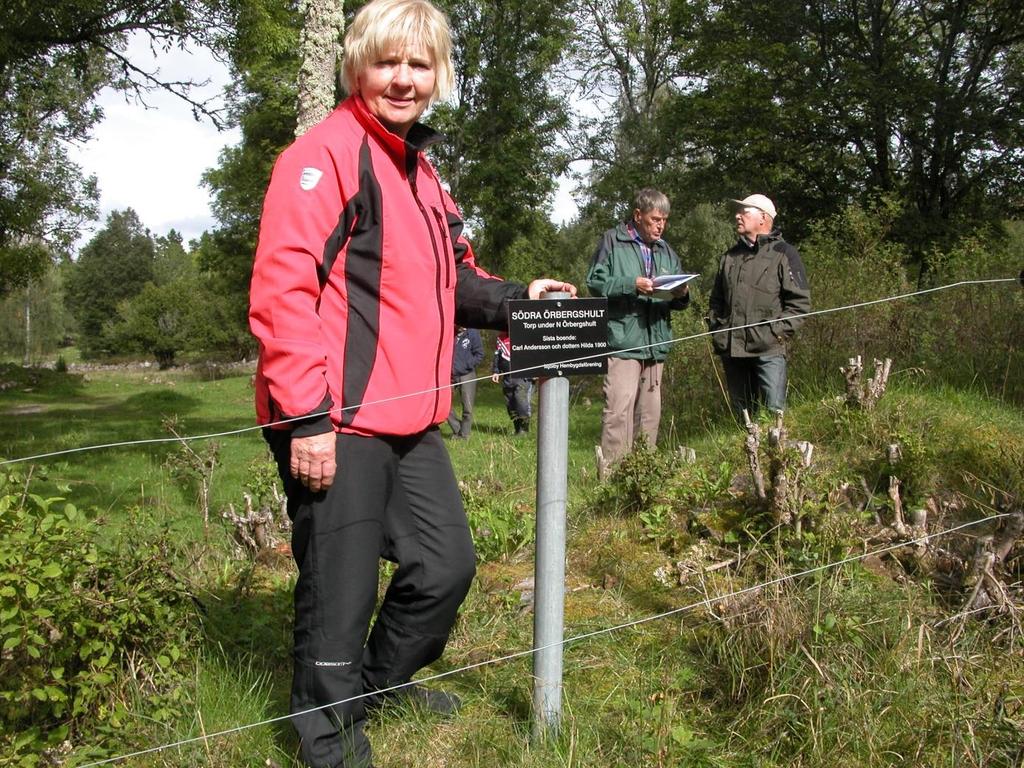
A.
x: 259, y: 530
x: 752, y: 446
x: 861, y: 394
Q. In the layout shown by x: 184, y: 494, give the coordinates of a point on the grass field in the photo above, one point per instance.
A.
x: 855, y: 666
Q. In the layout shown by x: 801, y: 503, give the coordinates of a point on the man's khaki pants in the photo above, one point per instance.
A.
x: 632, y: 406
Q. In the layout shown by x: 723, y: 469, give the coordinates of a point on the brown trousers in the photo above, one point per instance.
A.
x: 632, y: 405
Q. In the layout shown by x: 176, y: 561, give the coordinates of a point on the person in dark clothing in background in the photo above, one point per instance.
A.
x: 761, y: 278
x: 469, y: 352
x: 516, y: 389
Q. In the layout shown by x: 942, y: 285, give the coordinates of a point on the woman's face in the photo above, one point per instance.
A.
x: 397, y: 87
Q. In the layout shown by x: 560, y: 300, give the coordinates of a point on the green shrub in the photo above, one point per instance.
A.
x: 639, y: 481
x: 970, y: 335
x: 82, y: 627
x: 501, y: 522
x: 648, y: 483
x: 850, y: 258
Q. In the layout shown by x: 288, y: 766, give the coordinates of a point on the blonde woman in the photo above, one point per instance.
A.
x: 361, y: 274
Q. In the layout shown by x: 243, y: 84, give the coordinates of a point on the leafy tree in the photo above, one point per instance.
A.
x: 179, y: 311
x: 700, y: 235
x: 818, y: 104
x: 750, y: 120
x: 44, y: 198
x: 834, y: 101
x: 113, y: 266
x: 543, y: 249
x: 964, y: 133
x: 501, y: 157
x: 167, y: 320
x: 33, y: 322
x: 54, y: 59
x: 627, y: 60
x: 171, y: 262
x: 262, y: 102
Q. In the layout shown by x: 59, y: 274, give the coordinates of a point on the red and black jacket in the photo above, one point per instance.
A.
x: 361, y: 274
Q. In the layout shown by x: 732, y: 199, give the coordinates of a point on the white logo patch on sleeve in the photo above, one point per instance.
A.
x: 310, y: 178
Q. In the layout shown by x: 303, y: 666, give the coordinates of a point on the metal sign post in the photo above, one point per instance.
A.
x: 549, y: 570
x: 553, y: 335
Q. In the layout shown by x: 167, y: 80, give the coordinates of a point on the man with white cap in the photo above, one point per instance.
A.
x: 757, y: 302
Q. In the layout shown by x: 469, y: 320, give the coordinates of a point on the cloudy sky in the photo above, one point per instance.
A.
x: 152, y: 158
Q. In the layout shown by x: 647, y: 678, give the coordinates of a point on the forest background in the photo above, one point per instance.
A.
x: 905, y: 116
x: 890, y: 134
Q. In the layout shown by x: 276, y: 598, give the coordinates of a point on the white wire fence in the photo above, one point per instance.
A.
x: 569, y: 641
x: 707, y: 602
x: 519, y: 372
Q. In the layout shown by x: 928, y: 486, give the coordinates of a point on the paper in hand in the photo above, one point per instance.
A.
x: 665, y: 284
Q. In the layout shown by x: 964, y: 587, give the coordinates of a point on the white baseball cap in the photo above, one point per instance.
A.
x: 760, y: 202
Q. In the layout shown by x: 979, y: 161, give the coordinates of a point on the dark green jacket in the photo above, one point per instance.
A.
x: 763, y: 281
x: 639, y: 327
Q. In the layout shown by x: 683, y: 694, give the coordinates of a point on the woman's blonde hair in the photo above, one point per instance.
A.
x: 383, y: 26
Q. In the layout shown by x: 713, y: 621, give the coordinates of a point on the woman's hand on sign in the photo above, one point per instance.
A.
x: 546, y: 284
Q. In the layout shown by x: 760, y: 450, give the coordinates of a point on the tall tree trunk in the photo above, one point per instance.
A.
x: 28, y: 324
x: 320, y: 45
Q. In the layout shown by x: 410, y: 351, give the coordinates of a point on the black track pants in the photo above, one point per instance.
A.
x: 392, y: 497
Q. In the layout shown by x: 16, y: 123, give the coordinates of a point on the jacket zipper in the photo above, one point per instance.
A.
x: 442, y: 227
x: 437, y: 291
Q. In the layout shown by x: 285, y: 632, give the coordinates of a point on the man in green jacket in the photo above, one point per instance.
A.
x: 756, y: 305
x: 628, y: 259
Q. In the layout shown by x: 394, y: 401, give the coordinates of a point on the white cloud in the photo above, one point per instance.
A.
x: 152, y: 159
x: 564, y: 206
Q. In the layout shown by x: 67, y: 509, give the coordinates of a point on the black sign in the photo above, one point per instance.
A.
x: 558, y: 337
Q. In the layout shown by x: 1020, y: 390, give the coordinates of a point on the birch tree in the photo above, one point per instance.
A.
x: 319, y: 44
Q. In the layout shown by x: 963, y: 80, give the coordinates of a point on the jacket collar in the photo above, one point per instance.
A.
x: 760, y: 242
x: 622, y: 232
x: 420, y: 136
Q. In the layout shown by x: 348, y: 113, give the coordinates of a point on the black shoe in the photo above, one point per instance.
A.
x: 418, y: 697
x: 431, y: 699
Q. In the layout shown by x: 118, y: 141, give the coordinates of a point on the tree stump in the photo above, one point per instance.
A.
x: 782, y: 490
x: 259, y: 530
x: 865, y: 395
